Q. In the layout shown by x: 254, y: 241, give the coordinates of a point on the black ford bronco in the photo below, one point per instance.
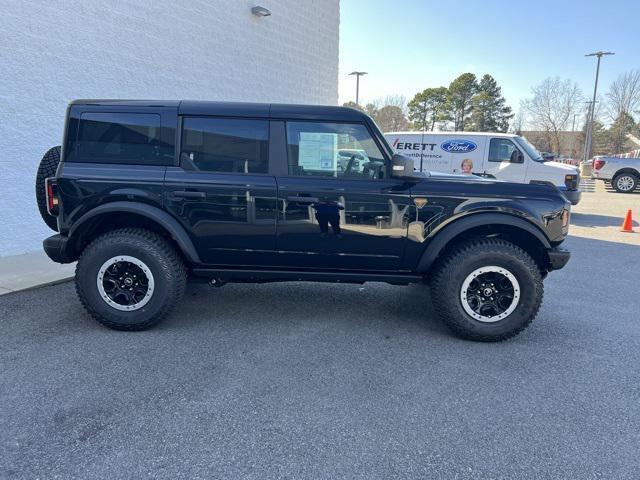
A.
x: 148, y: 194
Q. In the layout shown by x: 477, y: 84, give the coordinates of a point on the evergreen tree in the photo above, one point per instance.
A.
x: 461, y: 91
x: 600, y: 140
x: 428, y: 107
x: 490, y: 112
x: 623, y: 125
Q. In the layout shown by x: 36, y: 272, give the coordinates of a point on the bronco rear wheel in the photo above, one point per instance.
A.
x: 130, y: 279
x: 487, y: 289
x: 47, y: 168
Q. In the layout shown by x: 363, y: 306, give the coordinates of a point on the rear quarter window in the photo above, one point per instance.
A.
x: 111, y: 137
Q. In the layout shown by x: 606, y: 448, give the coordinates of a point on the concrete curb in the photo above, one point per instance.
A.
x: 31, y: 270
x: 4, y: 291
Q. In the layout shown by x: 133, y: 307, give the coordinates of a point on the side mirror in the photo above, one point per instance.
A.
x: 401, y: 166
x: 517, y: 157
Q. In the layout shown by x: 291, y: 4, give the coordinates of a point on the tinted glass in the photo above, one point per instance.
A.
x: 121, y: 138
x: 225, y: 145
x: 500, y: 150
x: 333, y: 150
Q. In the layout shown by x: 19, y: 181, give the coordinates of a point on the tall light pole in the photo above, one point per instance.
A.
x: 358, y: 75
x: 586, y: 125
x: 590, y: 117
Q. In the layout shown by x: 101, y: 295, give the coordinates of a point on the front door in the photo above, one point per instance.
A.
x: 337, y: 212
x: 221, y: 191
x: 505, y: 161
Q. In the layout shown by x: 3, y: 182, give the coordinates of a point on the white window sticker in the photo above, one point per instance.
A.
x: 318, y: 151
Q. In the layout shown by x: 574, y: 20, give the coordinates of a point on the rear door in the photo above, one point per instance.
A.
x: 221, y: 191
x: 333, y: 214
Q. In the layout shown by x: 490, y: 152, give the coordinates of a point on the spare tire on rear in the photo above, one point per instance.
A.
x: 47, y: 168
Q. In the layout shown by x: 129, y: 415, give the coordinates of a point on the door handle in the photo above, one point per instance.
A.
x: 299, y: 199
x: 188, y: 194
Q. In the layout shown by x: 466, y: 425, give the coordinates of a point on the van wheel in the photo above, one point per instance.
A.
x: 130, y: 279
x: 47, y: 168
x: 625, y: 182
x: 487, y: 289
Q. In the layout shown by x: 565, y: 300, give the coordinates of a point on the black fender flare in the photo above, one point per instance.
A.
x: 441, y: 239
x: 166, y: 221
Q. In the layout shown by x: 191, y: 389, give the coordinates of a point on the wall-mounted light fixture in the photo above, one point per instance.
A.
x: 260, y: 11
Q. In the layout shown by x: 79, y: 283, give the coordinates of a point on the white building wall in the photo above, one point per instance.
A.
x: 53, y: 51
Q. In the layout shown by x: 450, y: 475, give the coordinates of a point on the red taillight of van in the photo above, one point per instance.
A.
x: 598, y: 164
x: 52, y: 196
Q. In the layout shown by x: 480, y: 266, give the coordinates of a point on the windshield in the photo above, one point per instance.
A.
x: 530, y: 149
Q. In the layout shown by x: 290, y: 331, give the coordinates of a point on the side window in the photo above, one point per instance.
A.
x: 333, y: 150
x: 225, y: 145
x: 503, y: 150
x: 110, y: 137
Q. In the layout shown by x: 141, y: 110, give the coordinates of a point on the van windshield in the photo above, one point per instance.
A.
x: 530, y: 149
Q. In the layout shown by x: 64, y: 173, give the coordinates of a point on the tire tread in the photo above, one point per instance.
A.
x: 47, y: 168
x: 441, y: 298
x: 174, y: 262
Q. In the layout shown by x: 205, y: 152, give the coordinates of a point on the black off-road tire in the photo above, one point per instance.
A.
x: 633, y: 178
x: 162, y: 259
x: 463, y: 259
x: 47, y: 168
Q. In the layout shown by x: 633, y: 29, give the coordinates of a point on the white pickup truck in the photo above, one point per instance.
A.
x: 623, y: 173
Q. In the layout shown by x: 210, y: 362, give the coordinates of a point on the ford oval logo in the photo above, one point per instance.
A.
x: 458, y: 146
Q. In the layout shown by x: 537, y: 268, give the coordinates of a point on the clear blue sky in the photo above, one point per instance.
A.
x: 409, y: 45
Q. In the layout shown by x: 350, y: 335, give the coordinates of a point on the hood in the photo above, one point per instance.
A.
x: 562, y: 166
x: 458, y: 176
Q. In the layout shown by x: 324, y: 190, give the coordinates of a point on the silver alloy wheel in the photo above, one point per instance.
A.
x: 625, y: 183
x: 490, y: 294
x: 125, y: 283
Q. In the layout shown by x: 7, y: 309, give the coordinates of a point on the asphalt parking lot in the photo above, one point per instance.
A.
x: 310, y: 380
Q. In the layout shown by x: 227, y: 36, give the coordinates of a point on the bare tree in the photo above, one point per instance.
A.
x: 624, y: 95
x: 391, y: 118
x: 518, y: 122
x: 552, y: 107
x: 399, y: 101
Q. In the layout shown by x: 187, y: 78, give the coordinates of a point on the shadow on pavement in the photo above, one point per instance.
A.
x: 594, y: 220
x: 299, y: 304
x: 610, y: 189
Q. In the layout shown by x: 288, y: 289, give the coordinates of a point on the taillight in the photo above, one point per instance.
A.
x: 52, y: 196
x: 598, y: 164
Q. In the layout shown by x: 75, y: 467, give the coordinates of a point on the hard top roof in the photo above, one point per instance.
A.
x: 240, y: 109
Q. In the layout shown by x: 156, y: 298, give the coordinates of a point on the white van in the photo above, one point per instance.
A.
x: 502, y: 156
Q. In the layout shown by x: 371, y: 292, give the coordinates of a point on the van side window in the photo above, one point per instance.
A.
x: 112, y: 137
x: 224, y: 145
x: 502, y: 150
x: 333, y: 150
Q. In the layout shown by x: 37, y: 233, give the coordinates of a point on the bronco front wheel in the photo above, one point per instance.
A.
x: 487, y: 289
